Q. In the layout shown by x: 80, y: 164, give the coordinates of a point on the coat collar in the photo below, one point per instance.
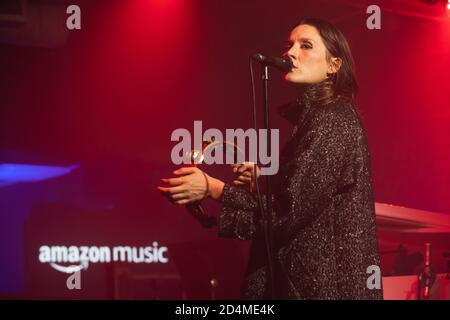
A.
x: 312, y: 97
x: 296, y: 111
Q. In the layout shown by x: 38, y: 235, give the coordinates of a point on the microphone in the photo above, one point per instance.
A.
x: 427, y: 277
x: 197, y: 211
x: 283, y: 63
x: 195, y: 208
x: 427, y: 270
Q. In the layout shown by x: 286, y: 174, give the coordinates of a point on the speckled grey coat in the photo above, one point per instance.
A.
x: 324, y: 226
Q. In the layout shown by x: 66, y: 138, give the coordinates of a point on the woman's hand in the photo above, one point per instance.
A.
x: 244, y: 173
x: 191, y: 185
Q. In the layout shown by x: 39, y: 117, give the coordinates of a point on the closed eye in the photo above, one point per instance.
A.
x: 306, y: 45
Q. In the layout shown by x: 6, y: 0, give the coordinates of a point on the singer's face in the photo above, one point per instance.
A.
x: 308, y: 54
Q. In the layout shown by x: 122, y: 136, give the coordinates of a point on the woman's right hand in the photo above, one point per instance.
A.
x: 244, y: 173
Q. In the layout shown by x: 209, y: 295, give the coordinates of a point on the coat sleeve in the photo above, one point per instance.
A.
x: 323, y: 164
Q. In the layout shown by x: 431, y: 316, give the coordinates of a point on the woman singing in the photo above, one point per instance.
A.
x: 324, y: 233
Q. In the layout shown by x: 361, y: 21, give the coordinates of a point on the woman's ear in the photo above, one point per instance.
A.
x: 334, y: 65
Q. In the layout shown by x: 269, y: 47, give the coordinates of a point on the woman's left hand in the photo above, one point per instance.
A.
x: 244, y: 173
x: 191, y: 185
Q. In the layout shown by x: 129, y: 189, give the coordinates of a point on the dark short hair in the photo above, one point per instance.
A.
x: 344, y: 81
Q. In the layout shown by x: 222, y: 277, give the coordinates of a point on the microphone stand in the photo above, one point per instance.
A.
x: 284, y: 64
x: 267, y: 217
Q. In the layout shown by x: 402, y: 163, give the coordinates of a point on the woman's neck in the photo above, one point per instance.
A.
x: 320, y: 93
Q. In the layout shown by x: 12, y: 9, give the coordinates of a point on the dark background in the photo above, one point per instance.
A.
x: 108, y: 96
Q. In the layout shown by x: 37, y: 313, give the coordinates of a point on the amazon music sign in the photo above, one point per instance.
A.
x: 115, y: 255
x: 59, y: 256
